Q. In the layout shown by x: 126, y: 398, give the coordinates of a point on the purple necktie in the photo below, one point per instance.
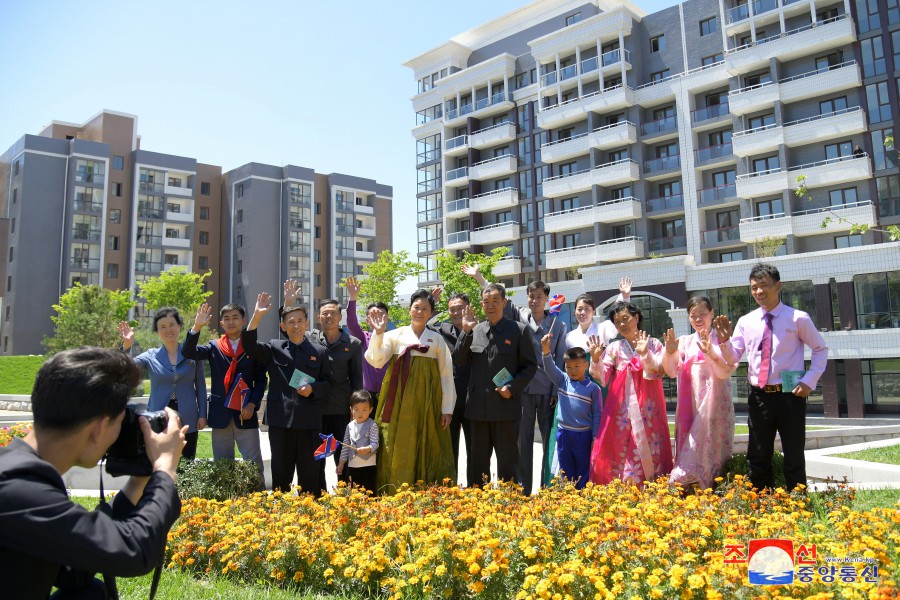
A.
x: 765, y: 349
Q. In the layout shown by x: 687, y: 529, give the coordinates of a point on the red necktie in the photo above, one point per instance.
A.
x: 765, y: 349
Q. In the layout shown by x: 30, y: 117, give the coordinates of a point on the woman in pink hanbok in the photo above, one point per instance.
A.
x: 632, y: 443
x: 704, y: 415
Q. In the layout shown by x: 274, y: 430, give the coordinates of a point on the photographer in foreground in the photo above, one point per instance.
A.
x: 78, y: 403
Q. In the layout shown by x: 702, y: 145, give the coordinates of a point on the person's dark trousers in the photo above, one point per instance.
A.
x: 768, y: 413
x: 190, y: 447
x: 360, y: 476
x: 95, y: 590
x: 460, y: 423
x: 293, y: 449
x: 493, y: 436
x: 533, y: 406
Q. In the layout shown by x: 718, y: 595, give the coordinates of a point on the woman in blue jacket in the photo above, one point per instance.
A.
x: 175, y: 381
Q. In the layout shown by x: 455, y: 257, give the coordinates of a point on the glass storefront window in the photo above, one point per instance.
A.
x: 881, y: 381
x: 877, y: 300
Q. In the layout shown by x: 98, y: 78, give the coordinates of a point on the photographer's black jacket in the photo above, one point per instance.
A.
x: 41, y: 529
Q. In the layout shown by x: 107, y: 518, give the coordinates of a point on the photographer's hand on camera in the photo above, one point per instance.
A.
x: 164, y: 449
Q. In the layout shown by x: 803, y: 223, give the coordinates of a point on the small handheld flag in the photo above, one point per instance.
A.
x: 556, y: 303
x: 239, y: 391
x: 329, y: 445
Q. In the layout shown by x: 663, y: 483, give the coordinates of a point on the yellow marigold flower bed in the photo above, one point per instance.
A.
x: 17, y: 430
x: 604, y: 542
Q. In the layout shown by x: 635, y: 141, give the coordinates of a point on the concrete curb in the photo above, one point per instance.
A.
x: 821, y: 464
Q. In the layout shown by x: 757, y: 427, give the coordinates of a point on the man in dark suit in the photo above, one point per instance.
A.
x: 78, y: 402
x: 494, y: 411
x: 237, y: 380
x: 293, y: 414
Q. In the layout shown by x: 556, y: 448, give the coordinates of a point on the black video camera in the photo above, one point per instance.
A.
x: 128, y: 454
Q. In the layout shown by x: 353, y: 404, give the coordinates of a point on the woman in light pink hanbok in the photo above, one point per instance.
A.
x: 632, y: 443
x: 704, y: 415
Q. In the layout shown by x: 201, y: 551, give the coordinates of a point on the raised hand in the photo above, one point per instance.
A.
x: 671, y: 341
x: 378, y: 322
x: 641, y: 343
x: 126, y: 333
x: 472, y: 270
x: 263, y: 304
x: 291, y: 292
x: 436, y: 293
x: 352, y: 287
x: 723, y: 328
x: 595, y: 347
x: 204, y: 314
x: 545, y: 343
x: 468, y: 319
x: 704, y: 343
x: 625, y: 287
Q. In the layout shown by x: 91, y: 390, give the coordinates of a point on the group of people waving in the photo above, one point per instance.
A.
x: 399, y: 400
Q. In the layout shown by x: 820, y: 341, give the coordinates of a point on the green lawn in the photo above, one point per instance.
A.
x: 17, y: 373
x: 888, y: 455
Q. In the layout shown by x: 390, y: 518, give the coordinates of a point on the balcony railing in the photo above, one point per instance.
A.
x: 615, y: 56
x: 824, y: 209
x: 663, y: 163
x: 568, y: 72
x: 455, y: 205
x: 480, y: 104
x: 148, y: 240
x: 460, y: 140
x: 458, y: 237
x: 660, y: 126
x: 88, y: 206
x: 711, y: 152
x: 298, y: 248
x: 779, y: 36
x: 149, y: 186
x: 589, y: 65
x: 298, y: 224
x: 496, y: 226
x: 86, y: 235
x: 710, y: 112
x: 665, y: 203
x: 741, y: 12
x: 828, y: 161
x: 667, y: 243
x: 148, y: 212
x: 144, y: 266
x: 456, y: 173
x: 430, y: 214
x: 828, y: 115
x: 344, y: 229
x: 345, y: 206
x: 718, y: 193
x: 723, y: 234
x: 88, y: 177
x: 493, y: 159
x: 495, y: 126
x: 84, y: 263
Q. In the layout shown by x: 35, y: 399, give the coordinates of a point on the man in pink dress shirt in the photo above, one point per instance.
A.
x: 774, y: 336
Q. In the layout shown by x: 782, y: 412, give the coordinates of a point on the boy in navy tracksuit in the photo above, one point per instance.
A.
x: 578, y: 415
x: 228, y: 362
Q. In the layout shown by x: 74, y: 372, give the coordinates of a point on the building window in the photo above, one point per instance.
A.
x: 878, y: 101
x: 8, y: 313
x: 204, y: 213
x: 112, y: 242
x: 239, y: 292
x: 842, y: 197
x: 240, y: 241
x: 204, y: 188
x: 838, y: 150
x: 832, y: 105
x: 239, y: 190
x: 11, y: 253
x: 867, y: 15
x: 770, y: 208
x: 116, y: 189
x: 873, y: 56
x: 883, y: 157
x: 881, y: 380
x: 318, y: 232
x: 9, y: 283
x: 760, y: 121
x: 112, y: 270
x: 657, y: 43
x: 240, y: 266
x: 572, y: 19
x: 318, y: 280
x: 15, y: 194
x: 115, y: 215
x: 848, y: 241
x: 204, y: 238
x: 708, y: 26
x: 877, y: 300
x: 767, y: 163
x: 725, y: 257
x: 203, y: 262
x: 317, y: 256
x: 712, y: 59
x: 888, y: 189
x: 118, y: 163
x: 12, y: 226
x: 240, y: 215
x: 659, y: 75
x: 16, y: 168
x: 318, y: 208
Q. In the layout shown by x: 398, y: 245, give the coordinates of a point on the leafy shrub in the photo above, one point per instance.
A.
x: 738, y: 465
x: 217, y: 479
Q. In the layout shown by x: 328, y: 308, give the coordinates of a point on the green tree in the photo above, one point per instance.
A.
x: 181, y: 289
x: 454, y: 280
x: 88, y: 315
x: 767, y: 247
x: 381, y: 280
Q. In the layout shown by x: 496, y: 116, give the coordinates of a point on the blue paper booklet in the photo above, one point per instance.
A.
x: 502, y: 378
x: 790, y: 379
x: 299, y: 379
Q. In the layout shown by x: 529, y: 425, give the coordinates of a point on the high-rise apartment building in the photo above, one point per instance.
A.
x: 85, y: 203
x: 595, y: 141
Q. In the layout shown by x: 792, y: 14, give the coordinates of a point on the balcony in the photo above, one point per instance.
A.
x: 145, y: 239
x: 88, y: 206
x: 495, y: 200
x: 714, y: 111
x: 613, y: 173
x: 85, y: 176
x: 602, y: 138
x: 717, y: 196
x: 457, y: 208
x: 456, y: 146
x: 457, y: 240
x: 493, y: 136
x: 577, y: 256
x: 803, y: 41
x: 493, y: 167
x: 82, y: 264
x: 150, y: 187
x: 86, y: 235
x: 177, y: 190
x: 457, y: 177
x: 363, y: 255
x: 339, y: 229
x: 184, y: 265
x: 754, y: 229
x: 757, y: 140
x: 846, y: 122
x: 150, y: 212
x: 507, y: 266
x: 762, y: 183
x: 839, y: 218
x: 495, y: 234
x: 365, y: 232
x: 673, y: 243
x: 615, y: 250
x: 569, y: 219
x: 752, y: 98
x: 613, y: 211
x: 559, y: 150
x: 661, y: 166
x: 179, y: 242
x: 660, y: 127
x: 713, y: 154
x: 832, y: 171
x: 497, y: 103
x: 145, y: 266
x: 665, y: 204
x: 179, y: 217
x: 620, y: 209
x: 717, y: 238
x: 818, y: 83
x: 363, y: 209
x: 742, y: 11
x: 576, y: 109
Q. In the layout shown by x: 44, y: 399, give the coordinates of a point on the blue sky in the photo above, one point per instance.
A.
x: 316, y: 84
